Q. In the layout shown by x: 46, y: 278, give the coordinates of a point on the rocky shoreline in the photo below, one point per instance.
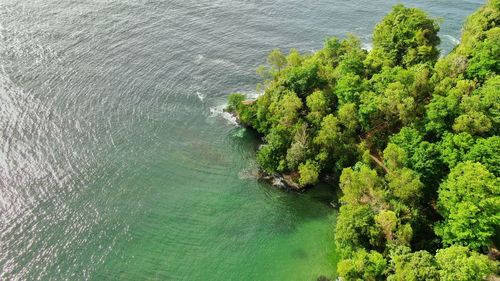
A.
x: 281, y: 181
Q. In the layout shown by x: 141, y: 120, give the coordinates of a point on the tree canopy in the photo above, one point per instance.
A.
x: 412, y: 138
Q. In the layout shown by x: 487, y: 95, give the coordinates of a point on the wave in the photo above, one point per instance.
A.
x: 218, y: 111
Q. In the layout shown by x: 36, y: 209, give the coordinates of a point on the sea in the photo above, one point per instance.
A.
x: 117, y: 161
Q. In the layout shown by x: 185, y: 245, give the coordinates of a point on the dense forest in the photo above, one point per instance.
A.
x: 412, y: 139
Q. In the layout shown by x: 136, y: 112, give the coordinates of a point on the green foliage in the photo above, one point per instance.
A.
x: 406, y: 36
x: 387, y: 221
x: 353, y: 229
x: 286, y: 109
x: 486, y: 152
x: 469, y: 201
x: 363, y: 266
x: 294, y: 58
x: 234, y: 102
x: 309, y: 173
x: 318, y: 105
x: 458, y: 263
x: 271, y: 156
x: 298, y: 151
x: 302, y: 79
x: 330, y: 133
x: 276, y: 60
x: 417, y: 266
x: 347, y: 116
x: 360, y: 187
x: 454, y: 147
x: 484, y: 62
x: 405, y: 184
x: 349, y: 88
x: 473, y: 123
x: 445, y: 104
x: 413, y: 139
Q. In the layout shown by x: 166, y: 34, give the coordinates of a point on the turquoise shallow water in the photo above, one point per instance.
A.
x: 115, y: 160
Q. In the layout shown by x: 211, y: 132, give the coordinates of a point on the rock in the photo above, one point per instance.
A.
x: 280, y: 181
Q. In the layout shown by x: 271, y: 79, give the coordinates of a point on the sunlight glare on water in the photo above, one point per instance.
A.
x: 116, y: 159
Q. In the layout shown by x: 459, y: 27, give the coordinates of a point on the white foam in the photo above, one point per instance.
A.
x: 452, y: 39
x: 253, y: 95
x: 225, y: 62
x: 367, y: 46
x: 218, y: 111
x: 200, y: 96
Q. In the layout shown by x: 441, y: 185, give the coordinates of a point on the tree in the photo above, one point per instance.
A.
x: 469, y: 201
x: 417, y: 266
x: 294, y: 58
x: 453, y: 147
x: 330, y: 133
x: 484, y: 62
x: 444, y: 106
x: 459, y: 263
x: 353, y: 229
x: 360, y: 187
x: 349, y: 87
x: 276, y: 60
x: 234, y: 101
x: 486, y: 152
x: 285, y: 110
x: 474, y: 123
x: 414, y: 139
x: 296, y: 154
x: 309, y: 173
x: 318, y: 105
x: 405, y: 185
x: 348, y: 118
x: 387, y: 221
x: 408, y: 139
x: 302, y: 79
x: 405, y: 37
x: 480, y: 110
x: 364, y: 265
x: 353, y: 57
x: 271, y: 156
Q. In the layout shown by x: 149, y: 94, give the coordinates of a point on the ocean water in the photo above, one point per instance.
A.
x: 116, y: 161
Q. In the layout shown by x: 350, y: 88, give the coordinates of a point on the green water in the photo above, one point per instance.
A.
x: 116, y: 161
x: 226, y: 226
